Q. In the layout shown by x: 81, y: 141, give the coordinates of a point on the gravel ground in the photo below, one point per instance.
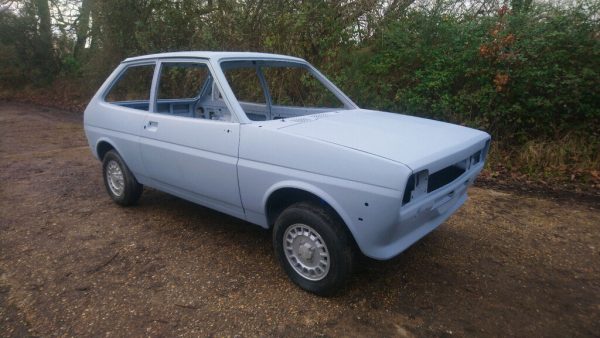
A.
x: 72, y: 263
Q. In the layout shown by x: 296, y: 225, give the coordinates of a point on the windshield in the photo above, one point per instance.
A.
x: 270, y: 90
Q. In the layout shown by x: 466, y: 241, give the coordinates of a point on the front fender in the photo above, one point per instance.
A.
x: 310, y: 188
x: 364, y: 208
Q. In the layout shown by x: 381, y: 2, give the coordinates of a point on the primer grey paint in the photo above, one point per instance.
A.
x: 358, y: 161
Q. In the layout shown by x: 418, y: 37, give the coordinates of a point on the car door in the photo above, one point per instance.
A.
x: 189, y: 143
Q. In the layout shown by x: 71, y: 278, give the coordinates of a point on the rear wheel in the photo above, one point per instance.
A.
x: 120, y: 183
x: 314, y: 248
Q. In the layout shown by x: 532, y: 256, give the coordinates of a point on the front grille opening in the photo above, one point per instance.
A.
x: 445, y: 176
x: 476, y: 157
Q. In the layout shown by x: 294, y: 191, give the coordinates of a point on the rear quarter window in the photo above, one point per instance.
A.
x: 132, y: 88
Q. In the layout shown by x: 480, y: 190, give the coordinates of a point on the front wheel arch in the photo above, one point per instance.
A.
x: 286, y: 195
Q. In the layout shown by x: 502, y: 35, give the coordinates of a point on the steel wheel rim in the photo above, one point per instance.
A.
x: 114, y: 177
x: 306, y: 252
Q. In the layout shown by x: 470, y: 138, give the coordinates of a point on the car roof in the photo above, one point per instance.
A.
x: 213, y: 55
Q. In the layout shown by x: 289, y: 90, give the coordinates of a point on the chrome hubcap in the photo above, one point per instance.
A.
x: 114, y: 177
x: 306, y: 252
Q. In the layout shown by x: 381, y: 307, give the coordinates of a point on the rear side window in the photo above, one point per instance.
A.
x: 132, y: 88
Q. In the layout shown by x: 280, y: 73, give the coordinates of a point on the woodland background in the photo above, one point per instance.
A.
x: 528, y: 72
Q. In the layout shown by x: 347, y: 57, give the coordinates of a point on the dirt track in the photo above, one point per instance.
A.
x: 74, y: 263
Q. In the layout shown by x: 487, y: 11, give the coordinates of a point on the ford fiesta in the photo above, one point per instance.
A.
x: 268, y: 139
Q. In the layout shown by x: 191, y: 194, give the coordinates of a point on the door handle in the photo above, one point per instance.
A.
x: 152, y: 125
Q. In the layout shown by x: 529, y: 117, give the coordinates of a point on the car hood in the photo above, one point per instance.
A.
x: 412, y: 141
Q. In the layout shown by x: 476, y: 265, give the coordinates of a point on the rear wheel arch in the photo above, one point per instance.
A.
x: 104, y: 147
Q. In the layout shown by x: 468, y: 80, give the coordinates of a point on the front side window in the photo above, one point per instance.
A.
x: 132, y: 88
x: 187, y: 89
x: 182, y: 80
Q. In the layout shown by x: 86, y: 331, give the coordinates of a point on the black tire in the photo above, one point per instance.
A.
x: 338, y: 241
x: 131, y: 189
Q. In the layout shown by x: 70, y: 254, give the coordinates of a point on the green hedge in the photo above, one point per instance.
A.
x: 521, y: 76
x: 529, y: 71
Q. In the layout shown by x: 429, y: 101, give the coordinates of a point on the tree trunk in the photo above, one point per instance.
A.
x: 44, y: 14
x: 44, y: 50
x: 45, y: 30
x: 83, y: 27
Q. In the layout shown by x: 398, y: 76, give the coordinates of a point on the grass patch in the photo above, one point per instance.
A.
x: 570, y: 159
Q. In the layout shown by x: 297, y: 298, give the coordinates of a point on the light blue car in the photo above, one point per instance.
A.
x: 268, y: 139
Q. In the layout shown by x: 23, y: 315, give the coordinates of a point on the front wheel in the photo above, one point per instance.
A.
x: 314, y: 248
x: 120, y: 183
